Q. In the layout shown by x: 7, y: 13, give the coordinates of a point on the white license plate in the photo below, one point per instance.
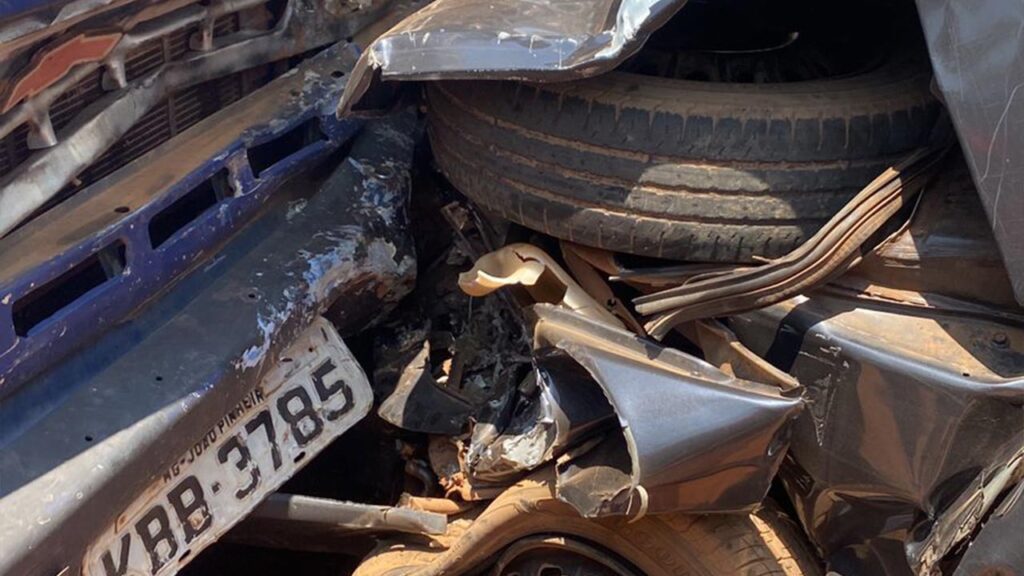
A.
x: 314, y: 393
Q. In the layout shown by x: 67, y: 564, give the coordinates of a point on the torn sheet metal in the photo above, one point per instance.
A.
x: 697, y: 439
x: 543, y: 279
x: 887, y: 392
x: 544, y: 40
x: 977, y: 53
x: 552, y: 414
x: 596, y: 480
x: 959, y: 521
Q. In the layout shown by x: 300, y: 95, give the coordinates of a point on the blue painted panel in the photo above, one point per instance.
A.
x: 311, y: 93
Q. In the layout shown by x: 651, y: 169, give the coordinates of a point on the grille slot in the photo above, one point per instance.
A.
x: 52, y: 297
x: 187, y: 209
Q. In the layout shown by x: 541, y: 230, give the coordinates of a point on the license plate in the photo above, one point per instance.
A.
x: 315, y: 392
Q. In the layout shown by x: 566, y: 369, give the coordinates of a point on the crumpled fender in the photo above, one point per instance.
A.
x: 697, y: 439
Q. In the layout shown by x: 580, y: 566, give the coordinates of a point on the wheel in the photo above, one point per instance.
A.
x: 559, y: 556
x: 762, y: 544
x: 527, y: 531
x: 652, y: 162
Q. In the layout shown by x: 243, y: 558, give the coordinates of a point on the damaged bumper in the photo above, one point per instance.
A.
x: 108, y: 250
x: 86, y: 439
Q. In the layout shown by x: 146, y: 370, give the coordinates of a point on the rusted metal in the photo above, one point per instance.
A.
x: 279, y: 509
x: 527, y: 509
x: 591, y: 281
x: 52, y: 65
x: 648, y: 278
x: 527, y: 528
x: 948, y: 248
x: 443, y: 506
x: 531, y: 268
x: 219, y: 152
x: 35, y: 109
x: 719, y: 345
x: 19, y: 34
x: 912, y: 302
x: 831, y: 251
x: 722, y: 349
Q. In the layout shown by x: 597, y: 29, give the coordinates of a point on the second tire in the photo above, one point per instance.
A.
x: 681, y: 169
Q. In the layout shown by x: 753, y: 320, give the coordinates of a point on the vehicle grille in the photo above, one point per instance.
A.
x: 171, y: 117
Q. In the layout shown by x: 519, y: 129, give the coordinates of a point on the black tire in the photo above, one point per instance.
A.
x: 675, y: 168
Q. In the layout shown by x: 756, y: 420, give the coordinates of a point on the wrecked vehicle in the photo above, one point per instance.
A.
x: 382, y: 288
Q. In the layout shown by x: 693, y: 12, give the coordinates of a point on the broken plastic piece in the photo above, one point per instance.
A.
x: 418, y: 403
